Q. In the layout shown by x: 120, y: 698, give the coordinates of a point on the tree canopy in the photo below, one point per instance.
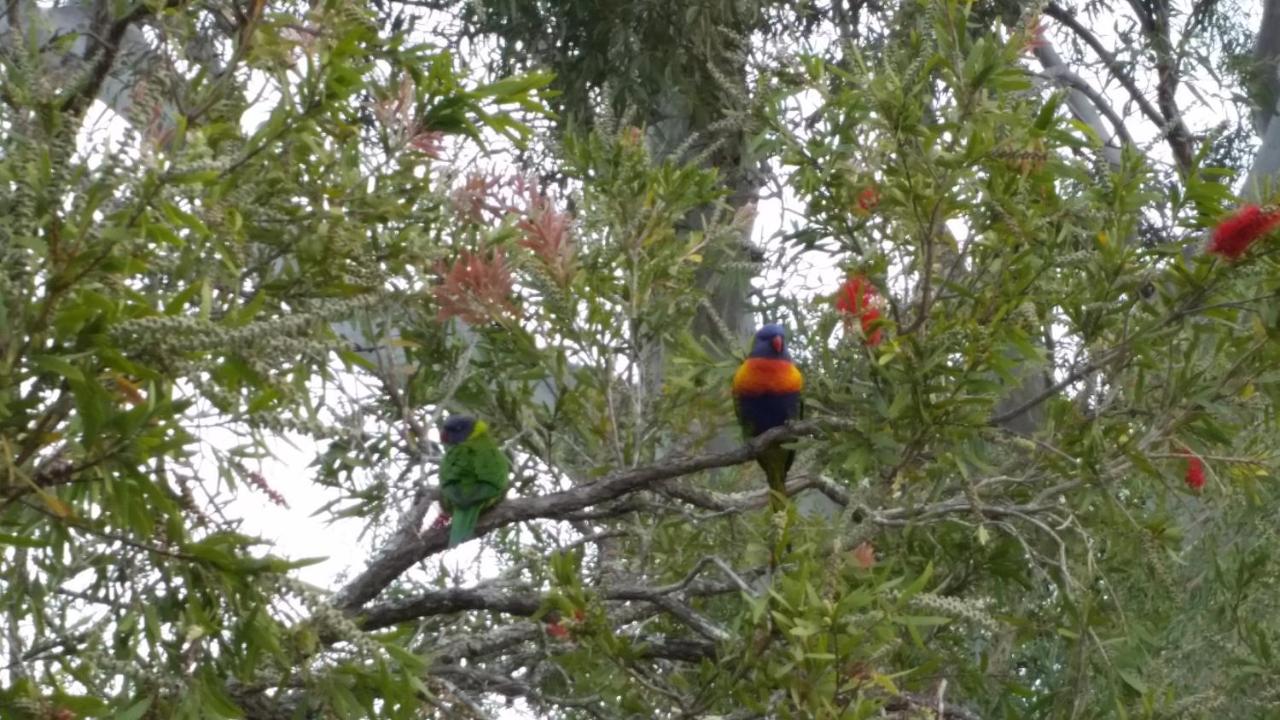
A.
x: 1022, y: 256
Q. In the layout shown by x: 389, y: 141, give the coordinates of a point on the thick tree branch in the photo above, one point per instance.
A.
x: 1054, y: 389
x: 658, y: 647
x: 1078, y: 84
x: 451, y: 600
x: 527, y: 601
x: 478, y: 680
x: 103, y: 56
x: 473, y: 647
x: 1174, y: 128
x: 1265, y: 86
x: 1084, y: 101
x: 639, y: 600
x: 406, y: 551
x: 724, y: 503
x: 1117, y: 69
x: 1154, y: 19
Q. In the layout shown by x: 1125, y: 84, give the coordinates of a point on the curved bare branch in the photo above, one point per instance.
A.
x: 407, y: 550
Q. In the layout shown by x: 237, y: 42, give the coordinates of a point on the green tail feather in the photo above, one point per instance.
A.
x: 463, y: 527
x: 776, y: 461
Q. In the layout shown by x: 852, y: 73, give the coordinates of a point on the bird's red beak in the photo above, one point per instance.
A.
x: 777, y: 344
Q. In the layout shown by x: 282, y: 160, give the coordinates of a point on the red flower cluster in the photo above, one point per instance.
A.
x: 475, y: 288
x: 868, y: 199
x: 547, y: 232
x: 1239, y: 231
x: 429, y: 143
x: 1195, y: 471
x: 859, y: 299
x: 632, y: 136
x: 474, y: 198
x: 560, y: 628
x: 864, y: 556
x: 395, y: 114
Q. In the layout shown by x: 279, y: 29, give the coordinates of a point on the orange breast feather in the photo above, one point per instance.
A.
x: 767, y: 376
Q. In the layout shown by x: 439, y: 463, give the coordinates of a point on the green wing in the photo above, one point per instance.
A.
x: 473, y: 472
x: 492, y: 470
x: 455, y: 467
x: 473, y: 478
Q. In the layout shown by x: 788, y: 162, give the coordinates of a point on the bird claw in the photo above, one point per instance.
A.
x: 442, y: 521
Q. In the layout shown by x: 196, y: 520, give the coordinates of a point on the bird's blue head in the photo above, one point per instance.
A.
x: 457, y: 428
x: 770, y: 342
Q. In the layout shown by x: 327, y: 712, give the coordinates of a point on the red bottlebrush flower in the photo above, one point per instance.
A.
x: 475, y: 288
x: 868, y: 199
x: 1239, y: 231
x: 1195, y: 471
x: 632, y: 136
x: 429, y: 143
x: 858, y: 299
x: 395, y: 114
x: 557, y: 631
x: 855, y: 295
x: 546, y: 233
x: 474, y: 197
x: 864, y: 556
x: 869, y: 319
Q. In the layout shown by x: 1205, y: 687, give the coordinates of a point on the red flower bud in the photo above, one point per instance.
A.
x: 1195, y: 472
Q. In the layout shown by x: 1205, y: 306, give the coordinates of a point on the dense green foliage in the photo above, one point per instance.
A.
x: 168, y: 316
x: 147, y: 296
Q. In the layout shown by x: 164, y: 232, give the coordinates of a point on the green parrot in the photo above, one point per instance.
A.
x: 473, y: 474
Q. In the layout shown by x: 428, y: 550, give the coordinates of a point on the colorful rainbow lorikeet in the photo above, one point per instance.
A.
x: 473, y: 474
x: 766, y: 394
